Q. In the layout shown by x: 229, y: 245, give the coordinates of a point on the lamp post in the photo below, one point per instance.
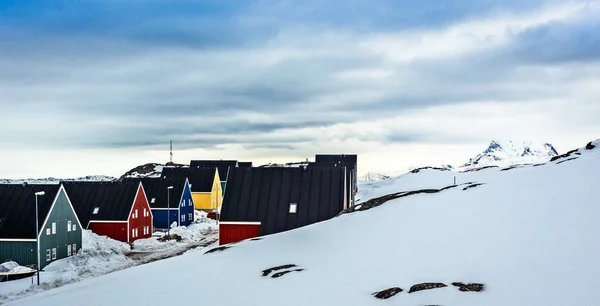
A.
x: 169, y: 211
x: 37, y: 234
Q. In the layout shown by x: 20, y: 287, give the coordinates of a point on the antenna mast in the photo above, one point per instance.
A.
x: 171, y: 151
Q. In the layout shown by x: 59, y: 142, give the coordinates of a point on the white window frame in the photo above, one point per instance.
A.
x: 74, y: 248
x: 53, y: 228
x: 137, y: 233
x: 48, y: 232
x: 53, y: 253
x: 152, y: 200
x: 133, y: 233
x: 69, y: 227
x: 68, y: 250
x: 48, y: 256
x: 293, y: 208
x: 96, y: 210
x: 74, y: 226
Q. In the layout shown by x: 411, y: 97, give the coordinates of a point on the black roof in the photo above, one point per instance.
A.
x: 221, y: 165
x: 202, y: 179
x: 245, y: 164
x: 264, y: 195
x: 156, y: 188
x: 114, y: 199
x: 349, y: 160
x: 175, y: 172
x: 17, y: 209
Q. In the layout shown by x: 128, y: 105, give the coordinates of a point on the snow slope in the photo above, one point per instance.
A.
x: 374, y: 176
x: 508, y: 153
x: 528, y: 233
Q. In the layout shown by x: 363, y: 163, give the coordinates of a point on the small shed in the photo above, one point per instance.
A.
x: 263, y: 201
x: 181, y: 206
x: 59, y: 228
x: 118, y: 210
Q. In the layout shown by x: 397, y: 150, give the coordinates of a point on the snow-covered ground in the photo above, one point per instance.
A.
x: 101, y: 255
x: 529, y: 234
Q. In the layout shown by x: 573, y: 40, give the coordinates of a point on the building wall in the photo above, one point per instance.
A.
x: 140, y: 218
x: 67, y: 232
x: 160, y: 217
x: 186, y: 207
x: 114, y: 230
x: 21, y: 252
x: 230, y: 233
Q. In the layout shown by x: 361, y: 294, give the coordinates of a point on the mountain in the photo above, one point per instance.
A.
x: 53, y: 180
x: 149, y: 170
x: 511, y: 153
x: 527, y: 236
x: 374, y: 176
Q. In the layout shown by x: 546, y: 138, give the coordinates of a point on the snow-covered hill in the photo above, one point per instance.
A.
x: 373, y: 177
x: 527, y: 235
x: 53, y: 180
x: 509, y: 153
x: 149, y: 170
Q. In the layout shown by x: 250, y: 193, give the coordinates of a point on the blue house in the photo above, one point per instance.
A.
x: 181, y: 206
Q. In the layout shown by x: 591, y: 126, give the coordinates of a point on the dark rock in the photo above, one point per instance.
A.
x: 170, y: 237
x: 282, y: 273
x: 381, y: 200
x: 217, y: 249
x: 566, y: 160
x: 426, y: 286
x: 387, y: 293
x: 472, y: 186
x: 472, y: 287
x: 478, y: 169
x: 268, y: 271
x: 590, y: 146
x: 537, y: 165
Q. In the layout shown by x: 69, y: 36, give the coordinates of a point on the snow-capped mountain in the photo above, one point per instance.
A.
x: 374, y: 176
x: 507, y: 153
x: 53, y: 180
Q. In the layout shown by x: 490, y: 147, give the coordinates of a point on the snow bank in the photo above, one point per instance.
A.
x: 529, y: 234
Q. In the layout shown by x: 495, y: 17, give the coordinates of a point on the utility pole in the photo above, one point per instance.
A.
x: 37, y: 234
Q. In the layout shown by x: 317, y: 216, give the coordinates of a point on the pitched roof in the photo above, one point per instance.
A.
x: 17, y: 209
x: 265, y: 194
x: 202, y: 179
x: 221, y: 165
x: 175, y: 172
x: 114, y: 199
x: 349, y: 160
x: 245, y: 164
x: 156, y: 189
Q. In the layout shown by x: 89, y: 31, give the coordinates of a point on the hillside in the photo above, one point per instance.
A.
x: 527, y: 234
x: 53, y: 180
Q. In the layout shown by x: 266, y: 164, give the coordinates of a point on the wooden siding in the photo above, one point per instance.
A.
x: 22, y: 252
x: 140, y: 204
x: 212, y: 200
x: 230, y: 233
x: 114, y: 230
x: 64, y: 237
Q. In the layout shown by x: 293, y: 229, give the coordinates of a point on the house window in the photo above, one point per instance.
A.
x: 48, y: 255
x: 136, y: 213
x: 293, y: 208
x: 182, y: 218
x: 53, y: 228
x: 96, y: 209
x: 74, y: 248
x: 69, y: 227
x: 190, y: 216
x: 53, y: 253
x: 153, y: 200
x: 74, y: 227
x: 145, y: 213
x: 48, y: 231
x: 133, y: 233
x: 136, y: 232
x: 68, y: 250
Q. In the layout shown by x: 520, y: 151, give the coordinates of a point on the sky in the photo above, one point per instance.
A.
x: 99, y: 87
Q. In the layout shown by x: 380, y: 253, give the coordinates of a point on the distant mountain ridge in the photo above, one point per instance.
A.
x: 374, y: 176
x: 507, y: 153
x: 53, y: 180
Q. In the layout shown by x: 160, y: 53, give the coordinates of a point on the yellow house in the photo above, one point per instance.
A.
x: 207, y: 192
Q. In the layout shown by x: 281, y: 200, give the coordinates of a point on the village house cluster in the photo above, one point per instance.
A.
x: 247, y: 202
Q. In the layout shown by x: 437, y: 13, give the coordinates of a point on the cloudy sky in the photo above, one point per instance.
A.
x: 98, y: 87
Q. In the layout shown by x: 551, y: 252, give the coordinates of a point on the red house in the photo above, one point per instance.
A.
x: 119, y: 210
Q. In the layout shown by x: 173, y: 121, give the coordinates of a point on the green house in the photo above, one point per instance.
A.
x: 59, y: 228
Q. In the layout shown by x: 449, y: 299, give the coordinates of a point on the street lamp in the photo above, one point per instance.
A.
x: 169, y: 211
x: 37, y: 234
